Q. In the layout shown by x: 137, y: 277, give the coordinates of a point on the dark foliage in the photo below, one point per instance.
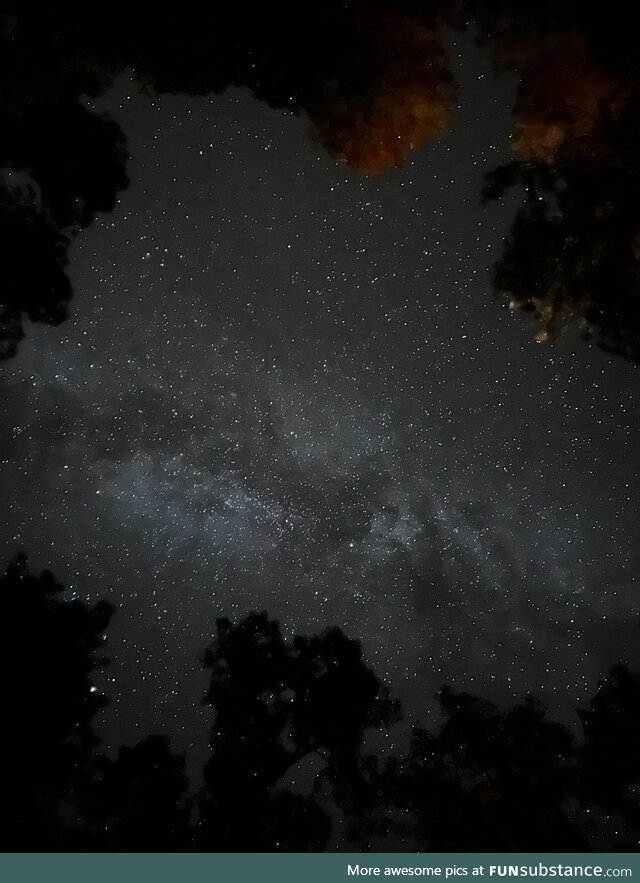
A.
x: 373, y: 78
x: 491, y: 780
x: 136, y: 802
x: 276, y: 705
x: 48, y: 654
x: 33, y: 281
x: 609, y: 759
x: 60, y: 162
x: 573, y: 255
x: 290, y: 755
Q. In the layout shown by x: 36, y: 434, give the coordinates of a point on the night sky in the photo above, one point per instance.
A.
x: 288, y: 387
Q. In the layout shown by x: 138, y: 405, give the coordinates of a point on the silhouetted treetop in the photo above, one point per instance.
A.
x: 48, y: 654
x: 60, y: 165
x: 319, y: 686
x: 573, y: 255
x: 488, y: 777
x: 610, y: 755
x: 277, y: 704
x: 373, y: 78
x: 33, y: 281
x: 289, y: 755
x: 136, y: 802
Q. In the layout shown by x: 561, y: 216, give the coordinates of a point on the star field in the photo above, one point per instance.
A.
x: 287, y: 387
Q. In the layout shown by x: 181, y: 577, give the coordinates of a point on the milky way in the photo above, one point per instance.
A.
x: 287, y: 387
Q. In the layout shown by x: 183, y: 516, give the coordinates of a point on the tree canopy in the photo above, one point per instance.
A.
x: 383, y: 90
x: 291, y: 764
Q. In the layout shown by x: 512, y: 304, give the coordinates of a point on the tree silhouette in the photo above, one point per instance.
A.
x: 573, y: 255
x: 136, y: 802
x: 609, y: 758
x: 373, y: 78
x: 48, y: 653
x: 490, y: 779
x: 33, y: 280
x: 61, y: 162
x: 289, y: 767
x: 275, y: 706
